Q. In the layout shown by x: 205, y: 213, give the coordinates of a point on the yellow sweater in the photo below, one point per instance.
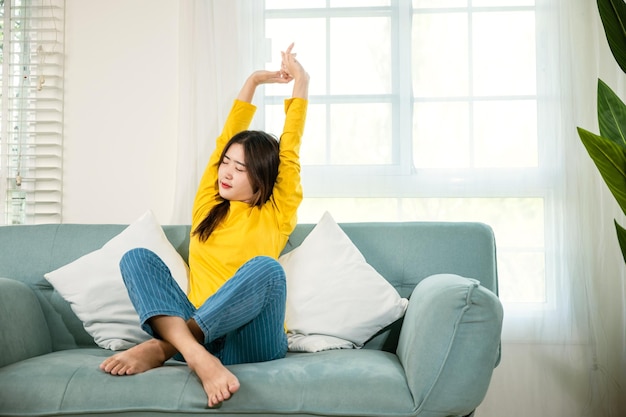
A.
x: 246, y: 231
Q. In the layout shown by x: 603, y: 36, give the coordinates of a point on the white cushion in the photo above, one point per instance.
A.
x: 93, y: 284
x: 335, y: 299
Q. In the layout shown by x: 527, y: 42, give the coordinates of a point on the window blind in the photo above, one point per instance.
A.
x: 31, y: 134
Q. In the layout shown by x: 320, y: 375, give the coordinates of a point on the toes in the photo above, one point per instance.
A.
x: 233, y: 387
x: 214, y: 401
x: 117, y: 368
x: 113, y: 366
x: 221, y: 395
x: 105, y: 365
x: 225, y: 394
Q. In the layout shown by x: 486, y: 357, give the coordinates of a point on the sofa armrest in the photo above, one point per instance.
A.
x: 23, y: 329
x: 450, y: 343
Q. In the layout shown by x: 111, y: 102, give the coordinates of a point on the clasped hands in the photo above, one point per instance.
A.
x: 290, y: 69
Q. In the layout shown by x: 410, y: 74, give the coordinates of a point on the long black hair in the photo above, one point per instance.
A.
x: 261, y: 156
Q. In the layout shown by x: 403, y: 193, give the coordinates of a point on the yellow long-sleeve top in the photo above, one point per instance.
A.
x: 246, y: 231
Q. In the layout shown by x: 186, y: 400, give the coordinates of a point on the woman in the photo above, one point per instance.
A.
x: 244, y: 211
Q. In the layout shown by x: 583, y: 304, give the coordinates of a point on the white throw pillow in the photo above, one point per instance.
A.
x: 93, y: 284
x: 335, y: 299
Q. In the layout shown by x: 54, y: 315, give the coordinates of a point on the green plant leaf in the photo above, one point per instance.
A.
x: 621, y: 238
x: 613, y: 15
x: 611, y: 115
x: 610, y: 159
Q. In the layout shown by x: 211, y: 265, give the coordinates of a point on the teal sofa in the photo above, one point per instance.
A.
x: 437, y: 361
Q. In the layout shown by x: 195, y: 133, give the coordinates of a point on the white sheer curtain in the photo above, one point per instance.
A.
x: 596, y: 265
x: 576, y: 366
x: 216, y: 53
x: 572, y: 362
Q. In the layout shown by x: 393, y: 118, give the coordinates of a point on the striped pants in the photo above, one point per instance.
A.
x: 242, y: 322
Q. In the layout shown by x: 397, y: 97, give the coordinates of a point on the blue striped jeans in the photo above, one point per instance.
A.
x: 242, y: 322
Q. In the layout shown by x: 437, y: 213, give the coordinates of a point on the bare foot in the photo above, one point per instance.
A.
x: 143, y: 357
x: 218, y: 382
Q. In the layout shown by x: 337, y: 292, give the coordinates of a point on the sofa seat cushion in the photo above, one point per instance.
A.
x: 353, y: 382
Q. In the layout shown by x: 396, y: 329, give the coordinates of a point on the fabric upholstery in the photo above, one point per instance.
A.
x: 435, y: 362
x: 463, y: 322
x: 23, y: 328
x: 300, y: 383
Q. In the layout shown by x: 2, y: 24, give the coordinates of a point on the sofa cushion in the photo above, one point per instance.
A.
x: 335, y: 299
x: 339, y: 382
x: 450, y: 368
x: 93, y: 284
x: 23, y: 327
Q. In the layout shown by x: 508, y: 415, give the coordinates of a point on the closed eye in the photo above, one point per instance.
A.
x: 239, y: 166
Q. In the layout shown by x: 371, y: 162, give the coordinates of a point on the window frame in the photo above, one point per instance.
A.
x: 344, y: 180
x: 403, y: 180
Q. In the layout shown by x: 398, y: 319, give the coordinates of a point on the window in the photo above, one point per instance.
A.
x: 31, y: 123
x: 427, y: 110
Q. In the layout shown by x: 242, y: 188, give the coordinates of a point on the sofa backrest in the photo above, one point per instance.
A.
x: 404, y: 253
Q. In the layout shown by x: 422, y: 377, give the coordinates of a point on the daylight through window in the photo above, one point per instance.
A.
x: 425, y: 110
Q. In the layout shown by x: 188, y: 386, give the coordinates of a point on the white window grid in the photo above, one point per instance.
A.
x: 401, y: 179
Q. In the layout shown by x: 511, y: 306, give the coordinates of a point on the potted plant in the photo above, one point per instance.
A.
x: 608, y: 150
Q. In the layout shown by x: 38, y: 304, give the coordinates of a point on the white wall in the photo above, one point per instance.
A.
x: 121, y: 109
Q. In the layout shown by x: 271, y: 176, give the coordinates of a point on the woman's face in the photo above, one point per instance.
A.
x: 232, y: 174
